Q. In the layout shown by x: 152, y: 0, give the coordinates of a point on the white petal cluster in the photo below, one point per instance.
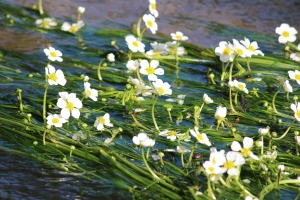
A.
x: 89, y: 92
x: 150, y: 22
x: 72, y: 28
x: 55, y: 77
x: 201, y: 137
x: 287, y: 87
x: 69, y: 104
x: 110, y: 57
x: 134, y: 44
x: 171, y: 135
x: 238, y: 85
x: 151, y: 69
x: 103, y: 121
x: 296, y: 109
x: 55, y: 120
x: 132, y: 65
x: 295, y: 75
x: 152, y: 8
x: 179, y: 99
x: 162, y: 88
x: 287, y: 33
x: 143, y: 140
x: 221, y: 113
x: 46, y: 23
x: 53, y: 54
x: 246, y: 149
x: 207, y: 99
x: 179, y: 36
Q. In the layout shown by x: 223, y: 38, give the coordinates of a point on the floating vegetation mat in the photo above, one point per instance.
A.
x: 151, y: 114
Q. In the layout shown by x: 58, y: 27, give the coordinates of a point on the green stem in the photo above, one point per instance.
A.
x: 146, y: 163
x: 182, y: 160
x: 44, y: 102
x: 197, y: 112
x: 243, y: 187
x: 153, y: 115
x: 286, y: 132
x: 99, y: 72
x: 248, y: 65
x: 273, y: 101
x: 44, y: 137
x: 287, y: 97
x: 235, y: 98
x: 230, y: 71
x: 192, y: 152
x: 297, y: 148
x: 271, y: 186
x: 170, y: 117
x: 230, y: 100
x: 19, y: 91
x: 40, y: 4
x: 262, y: 145
x: 176, y: 53
x: 138, y: 26
x: 210, y: 191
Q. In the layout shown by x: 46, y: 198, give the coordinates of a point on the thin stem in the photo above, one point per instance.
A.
x: 235, y: 97
x: 170, y: 117
x: 248, y: 65
x: 44, y: 102
x: 273, y: 101
x: 286, y: 132
x: 44, y: 137
x: 99, y: 73
x: 243, y: 187
x: 138, y: 26
x: 138, y: 123
x: 262, y: 145
x: 192, y: 152
x: 182, y: 159
x: 197, y: 112
x: 297, y: 148
x: 230, y: 101
x: 146, y: 163
x: 210, y: 191
x: 19, y: 91
x: 40, y: 4
x: 153, y: 115
x: 176, y: 53
x: 230, y: 71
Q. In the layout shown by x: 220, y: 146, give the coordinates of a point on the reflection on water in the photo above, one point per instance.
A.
x: 193, y: 17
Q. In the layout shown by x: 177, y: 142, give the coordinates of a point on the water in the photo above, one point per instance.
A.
x: 204, y: 22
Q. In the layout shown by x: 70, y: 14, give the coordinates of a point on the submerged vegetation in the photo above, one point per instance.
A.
x: 152, y: 114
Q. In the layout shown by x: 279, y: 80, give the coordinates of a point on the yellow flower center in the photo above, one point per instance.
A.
x: 153, y: 6
x: 297, y: 114
x: 55, y: 120
x: 70, y: 106
x: 88, y: 92
x: 52, y: 77
x: 211, y: 169
x: 102, y: 120
x: 73, y: 29
x: 161, y: 90
x: 178, y: 37
x: 241, y: 86
x: 134, y: 98
x: 172, y: 133
x: 285, y: 34
x: 226, y: 51
x: 144, y: 90
x: 297, y: 76
x: 213, y: 160
x: 149, y: 23
x: 239, y: 52
x: 150, y: 70
x: 245, y: 152
x: 219, y: 118
x: 229, y: 164
x: 135, y: 43
x: 45, y: 23
x: 156, y: 53
x: 199, y: 137
x: 251, y: 48
x: 53, y: 54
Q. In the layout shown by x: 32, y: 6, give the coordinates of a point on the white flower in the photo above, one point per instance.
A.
x: 173, y: 48
x: 287, y: 87
x: 111, y: 57
x: 221, y: 113
x: 217, y: 157
x: 211, y: 168
x: 143, y: 89
x: 103, y: 121
x: 250, y: 198
x: 143, y: 140
x: 297, y: 138
x: 233, y: 160
x: 295, y: 75
x: 287, y: 33
x: 152, y: 8
x: 66, y: 26
x: 246, y: 150
x: 91, y: 93
x: 182, y: 149
x: 134, y: 44
x: 158, y: 49
x: 238, y: 85
x: 296, y: 110
x: 179, y: 99
x: 53, y: 54
x: 45, y: 23
x: 69, y: 104
x: 55, y: 77
x: 150, y: 22
x: 251, y: 47
x: 239, y: 49
x: 171, y: 135
x: 207, y: 99
x: 81, y: 10
x: 55, y: 120
x: 132, y: 65
x: 179, y: 36
x: 226, y: 51
x: 151, y: 69
x: 295, y: 57
x: 86, y: 78
x: 281, y: 167
x: 201, y: 137
x: 263, y: 131
x: 162, y: 88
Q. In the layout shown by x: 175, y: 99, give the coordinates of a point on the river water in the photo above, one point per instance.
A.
x: 205, y: 22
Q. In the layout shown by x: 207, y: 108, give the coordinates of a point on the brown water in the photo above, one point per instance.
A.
x: 198, y: 19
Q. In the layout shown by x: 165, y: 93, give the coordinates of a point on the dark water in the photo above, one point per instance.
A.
x: 205, y: 22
